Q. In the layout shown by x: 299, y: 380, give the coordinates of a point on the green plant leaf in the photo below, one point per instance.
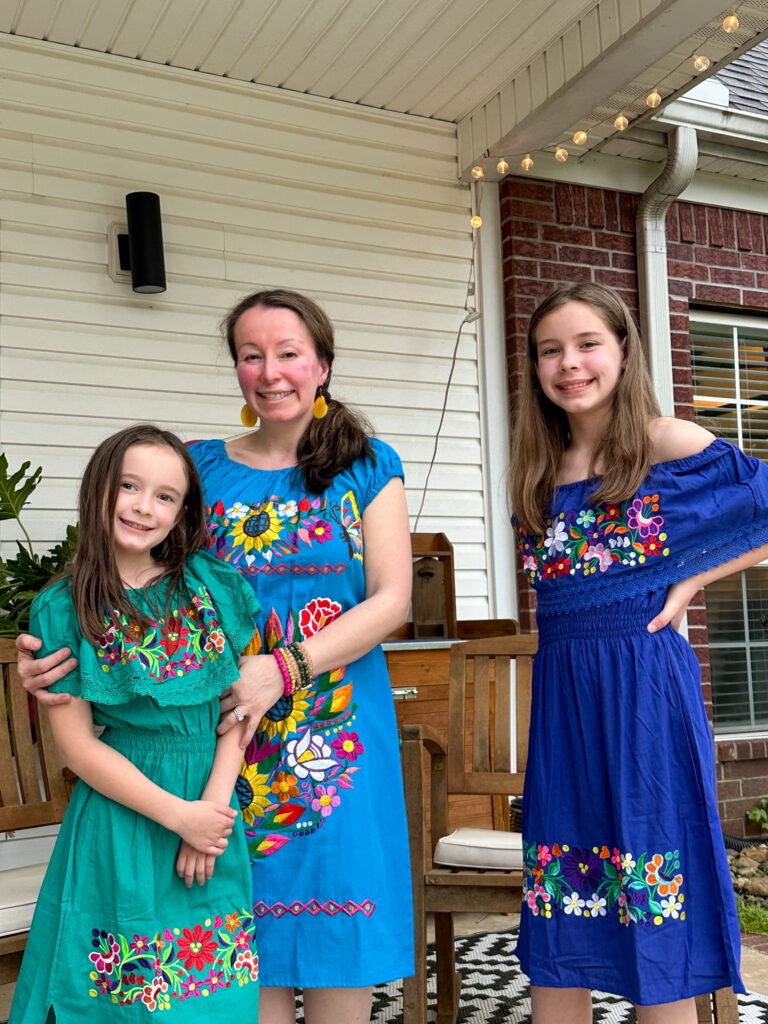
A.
x: 16, y: 488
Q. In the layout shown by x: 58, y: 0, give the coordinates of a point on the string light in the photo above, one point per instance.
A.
x: 653, y: 99
x: 561, y: 154
x: 620, y: 123
x: 731, y: 23
x: 526, y: 163
x: 502, y: 166
x: 580, y: 138
x: 477, y: 171
x: 701, y: 63
x: 476, y: 221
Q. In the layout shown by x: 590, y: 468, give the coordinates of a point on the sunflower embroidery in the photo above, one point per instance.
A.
x: 259, y: 529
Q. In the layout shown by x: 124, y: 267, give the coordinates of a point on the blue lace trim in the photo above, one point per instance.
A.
x: 565, y: 595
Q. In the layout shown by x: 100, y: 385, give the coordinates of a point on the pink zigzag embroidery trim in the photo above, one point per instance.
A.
x: 314, y: 907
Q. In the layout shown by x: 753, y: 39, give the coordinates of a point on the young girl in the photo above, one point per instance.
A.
x: 157, y: 629
x: 622, y: 515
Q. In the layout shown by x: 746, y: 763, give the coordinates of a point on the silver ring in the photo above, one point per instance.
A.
x: 238, y: 714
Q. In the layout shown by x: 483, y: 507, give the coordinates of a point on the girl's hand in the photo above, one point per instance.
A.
x: 678, y: 598
x: 37, y: 674
x: 205, y: 825
x: 194, y: 866
x: 259, y: 687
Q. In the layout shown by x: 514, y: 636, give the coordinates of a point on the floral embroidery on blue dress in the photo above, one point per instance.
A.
x: 248, y: 535
x: 590, y: 540
x: 596, y: 882
x: 288, y: 787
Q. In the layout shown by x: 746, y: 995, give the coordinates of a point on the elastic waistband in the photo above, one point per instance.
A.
x: 157, y: 739
x: 610, y: 620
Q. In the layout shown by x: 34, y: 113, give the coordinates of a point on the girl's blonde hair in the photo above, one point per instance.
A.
x: 540, y: 434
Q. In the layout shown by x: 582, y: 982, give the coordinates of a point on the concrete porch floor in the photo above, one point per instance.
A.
x: 754, y: 963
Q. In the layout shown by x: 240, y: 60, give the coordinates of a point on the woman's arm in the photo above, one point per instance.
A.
x: 204, y: 825
x: 680, y: 594
x: 388, y: 576
x: 191, y: 864
x: 39, y: 673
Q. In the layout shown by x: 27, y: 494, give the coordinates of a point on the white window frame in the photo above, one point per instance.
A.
x: 735, y: 322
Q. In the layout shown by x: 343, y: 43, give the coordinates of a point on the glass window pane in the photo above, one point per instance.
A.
x: 757, y: 603
x: 730, y: 694
x: 760, y: 683
x: 725, y: 611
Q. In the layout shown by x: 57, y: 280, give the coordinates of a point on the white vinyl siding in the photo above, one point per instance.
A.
x: 259, y: 188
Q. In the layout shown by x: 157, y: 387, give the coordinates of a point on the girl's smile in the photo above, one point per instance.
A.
x: 579, y: 359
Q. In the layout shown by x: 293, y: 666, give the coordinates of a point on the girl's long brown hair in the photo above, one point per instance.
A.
x: 541, y: 435
x: 97, y: 590
x: 331, y: 444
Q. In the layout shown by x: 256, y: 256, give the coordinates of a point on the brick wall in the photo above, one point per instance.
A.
x: 553, y: 233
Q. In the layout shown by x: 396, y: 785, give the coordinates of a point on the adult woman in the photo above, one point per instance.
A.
x: 320, y: 791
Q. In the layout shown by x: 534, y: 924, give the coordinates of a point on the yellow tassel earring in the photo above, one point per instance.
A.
x: 248, y: 417
x: 320, y: 408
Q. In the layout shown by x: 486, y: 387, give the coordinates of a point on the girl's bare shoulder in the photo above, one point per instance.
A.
x: 676, y: 439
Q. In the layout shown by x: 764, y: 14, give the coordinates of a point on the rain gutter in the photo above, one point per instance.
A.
x: 651, y: 240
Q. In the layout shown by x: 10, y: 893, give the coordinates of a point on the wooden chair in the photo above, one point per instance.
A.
x: 477, y: 760
x: 33, y: 789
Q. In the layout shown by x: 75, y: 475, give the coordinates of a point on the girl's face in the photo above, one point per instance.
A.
x: 580, y: 359
x: 150, y: 500
x: 277, y: 365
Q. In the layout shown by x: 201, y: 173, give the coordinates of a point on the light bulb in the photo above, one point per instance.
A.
x: 731, y: 23
x: 701, y: 63
x: 526, y: 163
x: 561, y: 154
x: 580, y: 138
x: 502, y: 166
x: 477, y: 171
x: 620, y: 123
x: 653, y: 99
x: 476, y: 221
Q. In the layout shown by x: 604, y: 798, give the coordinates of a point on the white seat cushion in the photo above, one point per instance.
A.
x: 19, y: 889
x: 481, y: 848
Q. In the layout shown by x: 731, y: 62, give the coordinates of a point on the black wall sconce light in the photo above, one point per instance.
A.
x: 141, y: 250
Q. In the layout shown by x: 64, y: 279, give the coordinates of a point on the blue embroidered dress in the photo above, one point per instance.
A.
x: 321, y: 788
x: 627, y: 887
x: 116, y: 932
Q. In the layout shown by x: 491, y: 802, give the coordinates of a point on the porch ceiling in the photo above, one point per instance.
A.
x: 515, y: 75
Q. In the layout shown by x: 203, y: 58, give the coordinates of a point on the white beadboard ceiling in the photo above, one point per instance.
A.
x: 514, y: 75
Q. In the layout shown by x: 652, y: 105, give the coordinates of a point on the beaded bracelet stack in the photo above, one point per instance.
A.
x: 295, y: 665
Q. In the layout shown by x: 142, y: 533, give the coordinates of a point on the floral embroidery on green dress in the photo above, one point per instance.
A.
x: 593, y: 882
x: 590, y: 540
x: 190, y: 637
x: 306, y: 748
x: 179, y: 963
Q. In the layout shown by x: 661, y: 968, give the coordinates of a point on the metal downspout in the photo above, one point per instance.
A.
x: 651, y: 239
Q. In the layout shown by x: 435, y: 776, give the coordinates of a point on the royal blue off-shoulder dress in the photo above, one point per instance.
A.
x: 627, y: 887
x: 320, y: 789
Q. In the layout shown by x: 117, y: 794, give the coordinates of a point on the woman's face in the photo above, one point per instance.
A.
x: 277, y: 365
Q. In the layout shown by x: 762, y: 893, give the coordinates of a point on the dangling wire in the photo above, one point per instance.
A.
x: 471, y: 316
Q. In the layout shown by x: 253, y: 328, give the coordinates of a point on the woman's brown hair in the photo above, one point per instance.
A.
x: 541, y: 435
x: 331, y: 444
x: 98, y: 593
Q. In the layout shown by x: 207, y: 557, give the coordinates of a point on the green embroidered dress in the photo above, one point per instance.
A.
x: 116, y: 933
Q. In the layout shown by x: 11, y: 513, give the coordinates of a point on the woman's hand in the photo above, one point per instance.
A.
x: 260, y: 686
x: 38, y: 673
x: 194, y: 866
x: 205, y: 825
x: 678, y: 598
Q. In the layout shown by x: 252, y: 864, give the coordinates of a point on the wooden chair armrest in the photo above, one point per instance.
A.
x: 415, y: 739
x: 425, y: 735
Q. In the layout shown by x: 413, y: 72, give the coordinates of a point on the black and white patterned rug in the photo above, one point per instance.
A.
x: 495, y: 991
